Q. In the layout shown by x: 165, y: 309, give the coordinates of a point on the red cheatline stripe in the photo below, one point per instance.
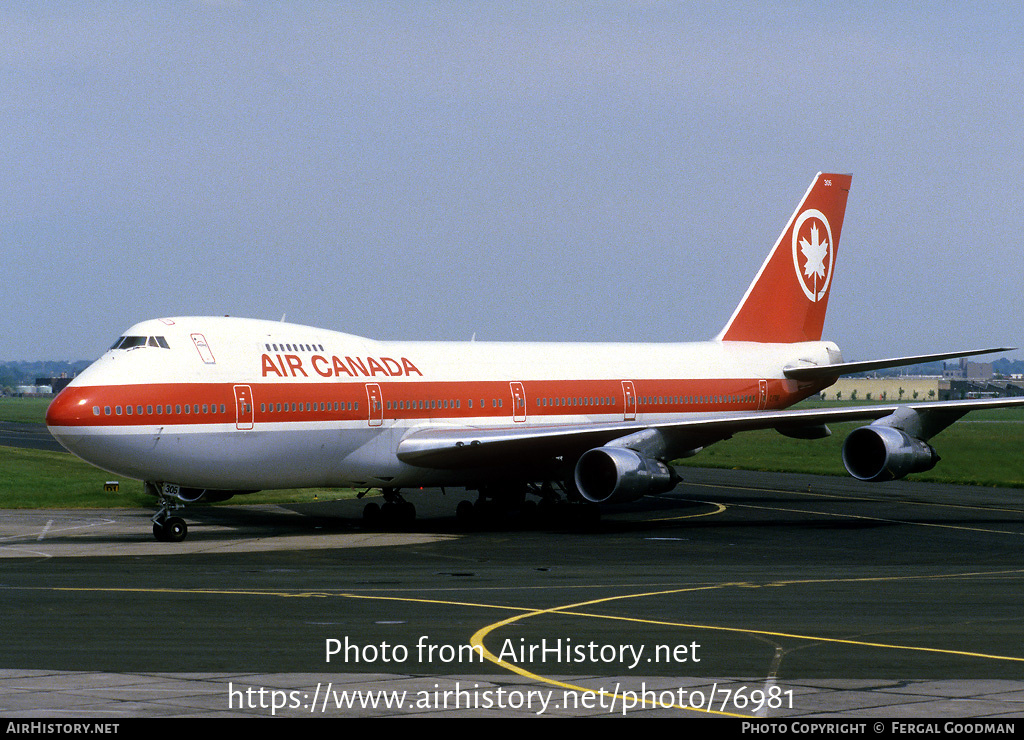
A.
x: 215, y: 403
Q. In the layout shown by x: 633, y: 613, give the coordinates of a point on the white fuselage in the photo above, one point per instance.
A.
x: 242, y: 404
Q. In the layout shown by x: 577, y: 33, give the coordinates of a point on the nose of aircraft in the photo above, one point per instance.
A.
x: 67, y: 414
x: 80, y: 419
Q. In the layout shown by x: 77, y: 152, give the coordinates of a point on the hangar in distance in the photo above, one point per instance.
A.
x: 203, y: 408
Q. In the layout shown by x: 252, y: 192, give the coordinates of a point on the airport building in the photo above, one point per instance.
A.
x: 56, y: 385
x: 920, y: 388
x: 907, y: 388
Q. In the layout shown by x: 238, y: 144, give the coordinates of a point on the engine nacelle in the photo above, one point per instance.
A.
x: 209, y: 496
x: 190, y: 495
x: 618, y: 474
x: 880, y: 453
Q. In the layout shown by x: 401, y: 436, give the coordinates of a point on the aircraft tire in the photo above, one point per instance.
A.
x: 175, y: 529
x: 371, y: 514
x: 529, y: 514
x: 464, y: 512
x: 172, y: 529
x: 588, y: 515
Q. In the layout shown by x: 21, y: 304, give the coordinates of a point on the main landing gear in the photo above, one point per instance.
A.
x: 507, y: 505
x: 396, y: 511
x: 557, y: 505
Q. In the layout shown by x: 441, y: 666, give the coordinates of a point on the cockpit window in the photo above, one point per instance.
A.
x: 130, y: 342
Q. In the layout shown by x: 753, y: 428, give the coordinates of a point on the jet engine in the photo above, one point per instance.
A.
x: 880, y: 453
x: 619, y: 474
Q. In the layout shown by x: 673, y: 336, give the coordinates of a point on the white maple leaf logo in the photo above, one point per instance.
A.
x: 815, y: 251
x: 812, y: 253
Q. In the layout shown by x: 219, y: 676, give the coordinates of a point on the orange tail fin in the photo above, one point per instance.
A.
x: 787, y: 300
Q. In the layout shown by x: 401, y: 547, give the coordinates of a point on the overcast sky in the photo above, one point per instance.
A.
x: 534, y: 171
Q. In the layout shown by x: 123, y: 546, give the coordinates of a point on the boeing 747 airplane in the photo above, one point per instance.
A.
x: 203, y: 408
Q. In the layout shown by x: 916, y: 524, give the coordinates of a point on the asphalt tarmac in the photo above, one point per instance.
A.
x: 742, y: 593
x: 31, y: 436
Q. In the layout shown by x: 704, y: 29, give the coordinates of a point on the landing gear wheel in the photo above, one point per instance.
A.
x: 173, y: 529
x: 394, y: 512
x: 371, y: 514
x: 464, y: 513
x: 529, y: 515
x: 589, y: 515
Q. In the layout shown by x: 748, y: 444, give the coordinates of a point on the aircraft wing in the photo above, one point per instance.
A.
x: 473, y: 447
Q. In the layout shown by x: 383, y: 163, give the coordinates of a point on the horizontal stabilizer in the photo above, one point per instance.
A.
x: 814, y: 372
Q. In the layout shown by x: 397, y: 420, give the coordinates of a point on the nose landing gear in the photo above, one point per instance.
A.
x: 167, y: 528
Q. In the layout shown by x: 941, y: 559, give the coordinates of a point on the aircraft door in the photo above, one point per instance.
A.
x: 204, y: 349
x: 375, y: 401
x: 244, y: 412
x: 629, y: 401
x: 518, y: 401
x: 762, y: 394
